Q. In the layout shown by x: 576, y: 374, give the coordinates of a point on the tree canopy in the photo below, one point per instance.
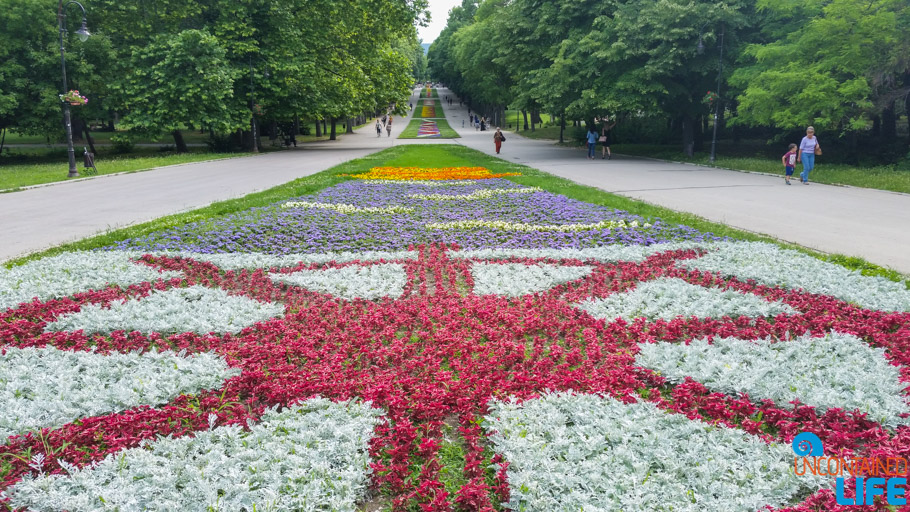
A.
x: 168, y: 65
x: 839, y: 64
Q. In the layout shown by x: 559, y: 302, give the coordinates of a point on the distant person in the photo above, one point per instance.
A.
x: 483, y: 124
x: 378, y: 128
x: 605, y: 139
x: 592, y: 141
x: 789, y: 161
x: 388, y: 127
x: 471, y: 117
x: 808, y: 148
x: 476, y: 123
x: 498, y: 139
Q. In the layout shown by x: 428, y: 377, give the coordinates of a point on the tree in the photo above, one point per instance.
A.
x: 802, y: 75
x: 178, y: 82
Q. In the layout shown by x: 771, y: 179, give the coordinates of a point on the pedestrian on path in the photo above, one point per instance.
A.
x: 789, y: 161
x: 483, y: 124
x: 498, y: 139
x: 592, y: 141
x: 378, y: 128
x: 605, y: 139
x: 388, y: 127
x: 808, y: 148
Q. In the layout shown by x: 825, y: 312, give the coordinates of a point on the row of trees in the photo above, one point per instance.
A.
x: 169, y: 65
x: 841, y: 65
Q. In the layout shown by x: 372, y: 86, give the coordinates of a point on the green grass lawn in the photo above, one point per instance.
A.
x: 445, y: 131
x: 443, y: 155
x: 885, y: 177
x: 514, y: 118
x: 15, y: 176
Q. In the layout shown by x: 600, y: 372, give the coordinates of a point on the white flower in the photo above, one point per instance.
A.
x: 473, y: 196
x: 347, y: 208
x: 521, y: 226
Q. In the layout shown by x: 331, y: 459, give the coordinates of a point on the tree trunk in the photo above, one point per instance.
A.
x: 89, y: 138
x: 318, y: 128
x: 889, y: 124
x: 701, y: 126
x: 78, y: 125
x: 562, y: 128
x: 324, y: 130
x: 296, y: 124
x: 179, y: 142
x: 334, y: 134
x: 688, y: 135
x: 524, y: 115
x: 876, y: 126
x: 2, y: 140
x: 350, y: 125
x: 535, y: 118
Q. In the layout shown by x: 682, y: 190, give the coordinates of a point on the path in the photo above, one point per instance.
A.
x: 872, y: 224
x: 857, y: 222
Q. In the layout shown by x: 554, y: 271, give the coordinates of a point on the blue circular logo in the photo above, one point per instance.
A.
x: 807, y: 444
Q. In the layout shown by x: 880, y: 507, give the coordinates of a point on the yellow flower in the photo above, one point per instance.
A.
x: 438, y: 173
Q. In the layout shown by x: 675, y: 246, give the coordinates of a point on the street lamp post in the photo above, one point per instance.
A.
x: 720, y: 71
x: 83, y: 34
x: 253, y: 106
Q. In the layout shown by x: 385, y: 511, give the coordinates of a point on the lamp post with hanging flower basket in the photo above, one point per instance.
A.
x: 70, y: 97
x: 713, y: 98
x: 74, y: 98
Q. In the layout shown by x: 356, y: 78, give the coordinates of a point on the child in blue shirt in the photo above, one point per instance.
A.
x: 789, y: 161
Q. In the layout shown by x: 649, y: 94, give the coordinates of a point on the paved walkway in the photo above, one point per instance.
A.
x: 857, y: 222
x: 872, y: 224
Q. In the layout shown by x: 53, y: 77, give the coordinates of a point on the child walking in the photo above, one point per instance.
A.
x: 789, y: 161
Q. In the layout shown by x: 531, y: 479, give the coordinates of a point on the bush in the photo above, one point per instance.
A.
x: 223, y: 143
x: 122, y: 143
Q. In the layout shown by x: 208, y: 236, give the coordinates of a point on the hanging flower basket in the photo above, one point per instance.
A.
x: 258, y: 110
x: 74, y: 98
x: 710, y: 97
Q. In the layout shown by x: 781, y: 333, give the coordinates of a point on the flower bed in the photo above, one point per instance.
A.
x: 539, y: 351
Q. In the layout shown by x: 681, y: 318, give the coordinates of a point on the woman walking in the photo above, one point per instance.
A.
x: 388, y: 127
x: 808, y: 148
x: 592, y: 141
x: 605, y: 139
x: 498, y: 137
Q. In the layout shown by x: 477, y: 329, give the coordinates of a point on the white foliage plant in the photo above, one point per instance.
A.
x: 771, y: 265
x: 47, y: 387
x: 668, y: 298
x: 583, y: 452
x: 364, y: 282
x: 835, y: 371
x: 73, y: 272
x: 515, y: 279
x: 308, y: 457
x: 194, y: 309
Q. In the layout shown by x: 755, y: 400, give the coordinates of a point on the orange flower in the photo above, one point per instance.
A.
x: 432, y: 173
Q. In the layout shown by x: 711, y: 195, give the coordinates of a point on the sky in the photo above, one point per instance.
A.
x: 439, y: 11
